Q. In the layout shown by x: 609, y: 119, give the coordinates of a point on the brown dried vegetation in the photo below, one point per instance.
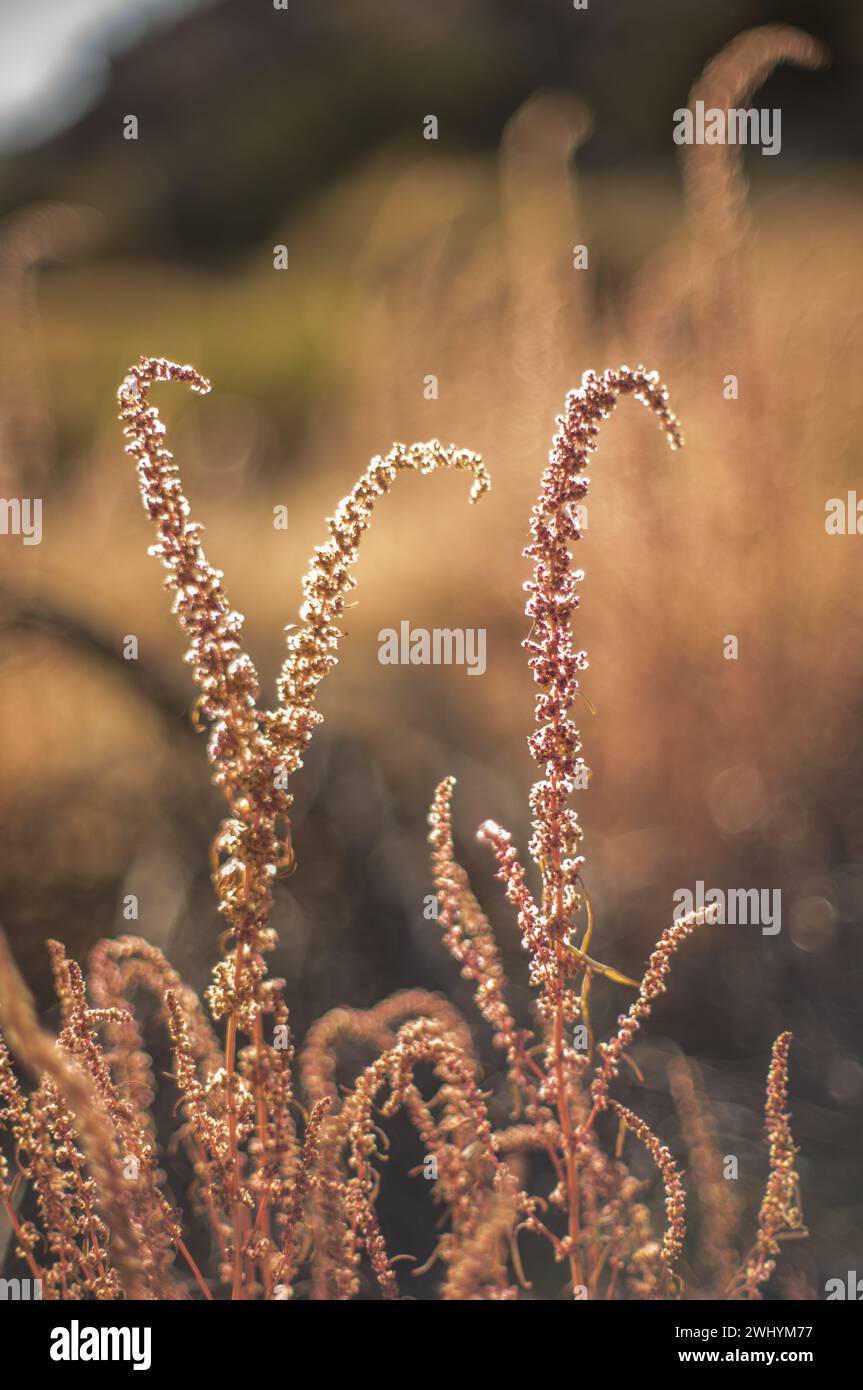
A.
x: 287, y: 1184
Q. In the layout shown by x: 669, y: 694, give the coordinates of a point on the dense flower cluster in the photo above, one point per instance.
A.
x: 652, y: 985
x: 553, y: 660
x: 780, y: 1212
x: 675, y: 1197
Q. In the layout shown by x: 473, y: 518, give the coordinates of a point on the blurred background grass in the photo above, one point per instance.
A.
x: 454, y: 257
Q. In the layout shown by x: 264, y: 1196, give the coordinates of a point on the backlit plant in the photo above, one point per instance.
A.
x: 287, y: 1168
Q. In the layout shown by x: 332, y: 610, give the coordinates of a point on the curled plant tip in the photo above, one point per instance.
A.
x: 461, y: 1142
x: 744, y: 64
x: 675, y: 1196
x: 313, y: 645
x: 376, y: 1028
x: 225, y: 674
x: 118, y: 968
x: 780, y: 1214
x: 713, y: 173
